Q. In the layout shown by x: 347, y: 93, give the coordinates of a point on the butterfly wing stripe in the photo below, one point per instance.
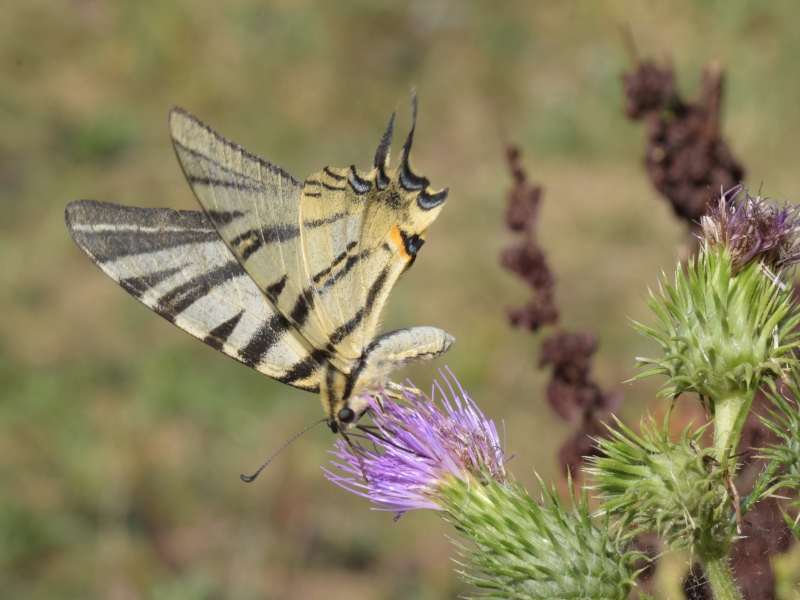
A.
x: 302, y: 371
x: 333, y: 174
x: 342, y: 271
x: 127, y: 242
x: 217, y: 337
x: 179, y: 298
x: 303, y: 306
x: 347, y: 328
x: 263, y: 339
x: 220, y: 183
x: 137, y: 286
x: 199, y: 286
x: 225, y: 217
x: 274, y: 290
x: 316, y: 279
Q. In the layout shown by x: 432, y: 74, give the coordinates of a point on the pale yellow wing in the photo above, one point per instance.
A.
x: 176, y: 264
x: 376, y: 223
x: 255, y: 207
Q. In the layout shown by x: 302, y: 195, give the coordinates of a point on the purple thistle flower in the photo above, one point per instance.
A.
x: 416, y: 448
x: 755, y: 228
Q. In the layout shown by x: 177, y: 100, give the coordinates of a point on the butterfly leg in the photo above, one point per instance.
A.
x: 398, y: 389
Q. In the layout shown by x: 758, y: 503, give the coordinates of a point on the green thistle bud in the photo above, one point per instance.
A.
x: 675, y: 489
x: 526, y: 550
x: 726, y: 325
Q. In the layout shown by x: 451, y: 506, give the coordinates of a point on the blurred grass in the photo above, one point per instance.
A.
x: 121, y: 438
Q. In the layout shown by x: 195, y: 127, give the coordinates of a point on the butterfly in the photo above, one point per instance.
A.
x: 287, y: 277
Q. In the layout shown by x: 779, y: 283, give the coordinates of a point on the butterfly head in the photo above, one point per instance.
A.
x: 344, y: 414
x: 342, y: 408
x: 345, y: 418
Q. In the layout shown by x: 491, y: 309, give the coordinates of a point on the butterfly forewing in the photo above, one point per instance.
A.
x: 176, y: 264
x: 255, y: 207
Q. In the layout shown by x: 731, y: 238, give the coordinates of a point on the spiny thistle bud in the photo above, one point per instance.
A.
x: 726, y: 326
x: 523, y: 549
x: 450, y: 459
x: 674, y: 489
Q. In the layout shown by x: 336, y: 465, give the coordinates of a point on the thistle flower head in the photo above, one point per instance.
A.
x: 755, y: 228
x: 406, y: 461
x: 727, y: 325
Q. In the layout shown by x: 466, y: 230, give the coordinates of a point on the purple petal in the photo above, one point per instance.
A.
x: 756, y: 228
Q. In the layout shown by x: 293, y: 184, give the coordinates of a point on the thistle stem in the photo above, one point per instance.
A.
x: 718, y: 570
x: 730, y: 413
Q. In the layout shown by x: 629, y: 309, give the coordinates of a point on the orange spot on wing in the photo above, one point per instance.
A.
x: 397, y: 238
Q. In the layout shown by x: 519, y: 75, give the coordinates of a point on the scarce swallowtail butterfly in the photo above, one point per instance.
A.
x: 285, y: 276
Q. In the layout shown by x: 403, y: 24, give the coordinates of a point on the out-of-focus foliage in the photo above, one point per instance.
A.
x: 121, y: 438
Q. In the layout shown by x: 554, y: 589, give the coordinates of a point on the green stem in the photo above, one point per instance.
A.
x: 730, y: 413
x: 718, y: 570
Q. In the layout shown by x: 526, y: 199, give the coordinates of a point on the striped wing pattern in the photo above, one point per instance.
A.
x: 176, y: 264
x: 326, y: 252
x: 374, y: 234
x: 255, y: 206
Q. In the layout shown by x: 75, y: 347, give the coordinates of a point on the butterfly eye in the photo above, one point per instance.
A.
x: 346, y: 415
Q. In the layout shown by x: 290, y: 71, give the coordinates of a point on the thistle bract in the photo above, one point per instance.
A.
x: 524, y: 549
x: 720, y: 333
x: 783, y: 474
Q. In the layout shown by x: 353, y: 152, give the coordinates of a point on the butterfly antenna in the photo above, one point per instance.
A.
x: 252, y: 477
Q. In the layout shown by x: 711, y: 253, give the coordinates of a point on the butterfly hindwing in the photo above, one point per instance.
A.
x: 377, y: 224
x: 176, y: 264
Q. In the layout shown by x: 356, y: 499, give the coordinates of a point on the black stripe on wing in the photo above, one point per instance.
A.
x: 224, y: 217
x: 263, y: 339
x: 138, y: 286
x: 179, y: 298
x: 113, y: 232
x: 305, y: 368
x: 217, y: 337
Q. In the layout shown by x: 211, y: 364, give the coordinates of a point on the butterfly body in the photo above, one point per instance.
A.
x: 287, y: 277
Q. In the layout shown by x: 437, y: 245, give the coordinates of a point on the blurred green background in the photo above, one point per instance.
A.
x: 122, y: 438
